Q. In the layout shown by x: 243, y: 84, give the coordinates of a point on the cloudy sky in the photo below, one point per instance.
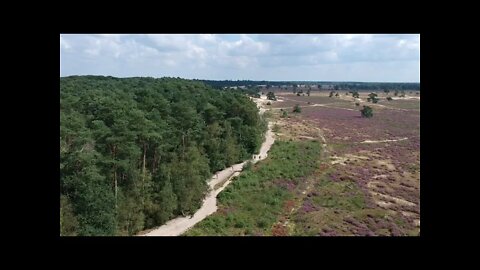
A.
x: 378, y: 58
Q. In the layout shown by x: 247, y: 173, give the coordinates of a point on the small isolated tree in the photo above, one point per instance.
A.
x: 402, y: 94
x: 284, y: 114
x: 396, y: 93
x: 389, y: 98
x: 269, y: 103
x: 357, y: 104
x: 297, y: 109
x: 337, y: 95
x: 271, y: 96
x: 366, y: 112
x: 298, y: 94
x: 308, y: 92
x: 372, y: 98
x: 331, y: 93
x: 355, y: 94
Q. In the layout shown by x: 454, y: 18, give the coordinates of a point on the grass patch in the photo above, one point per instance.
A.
x: 343, y: 195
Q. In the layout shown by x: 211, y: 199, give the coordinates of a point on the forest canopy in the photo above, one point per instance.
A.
x: 136, y: 152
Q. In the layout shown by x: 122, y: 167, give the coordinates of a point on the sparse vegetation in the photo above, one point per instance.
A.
x: 297, y: 109
x: 276, y: 128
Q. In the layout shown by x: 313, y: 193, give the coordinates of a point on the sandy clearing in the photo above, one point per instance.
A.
x: 416, y: 222
x: 397, y: 200
x: 383, y: 204
x: 382, y: 141
x: 180, y: 225
x: 408, y: 214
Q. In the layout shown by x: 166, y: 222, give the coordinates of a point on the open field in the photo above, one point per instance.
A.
x: 371, y: 184
x: 366, y: 181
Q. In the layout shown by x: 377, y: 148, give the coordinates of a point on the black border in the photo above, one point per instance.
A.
x: 44, y: 212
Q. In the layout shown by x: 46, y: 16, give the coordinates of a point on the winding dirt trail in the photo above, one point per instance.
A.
x: 180, y: 225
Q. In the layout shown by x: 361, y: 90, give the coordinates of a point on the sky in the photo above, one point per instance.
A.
x: 271, y: 57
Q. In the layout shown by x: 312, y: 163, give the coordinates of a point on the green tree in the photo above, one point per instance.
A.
x: 367, y: 112
x: 121, y: 140
x: 372, y: 98
x: 68, y: 221
x: 271, y: 96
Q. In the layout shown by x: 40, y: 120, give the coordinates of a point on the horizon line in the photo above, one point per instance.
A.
x: 126, y: 77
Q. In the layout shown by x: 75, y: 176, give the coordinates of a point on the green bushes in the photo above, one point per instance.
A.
x: 367, y: 112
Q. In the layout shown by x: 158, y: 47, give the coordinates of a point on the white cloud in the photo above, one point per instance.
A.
x: 279, y: 57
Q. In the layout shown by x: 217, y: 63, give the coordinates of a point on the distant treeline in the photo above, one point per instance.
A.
x: 136, y: 152
x: 333, y: 85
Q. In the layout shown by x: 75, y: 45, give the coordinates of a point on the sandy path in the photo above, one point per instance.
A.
x: 180, y: 225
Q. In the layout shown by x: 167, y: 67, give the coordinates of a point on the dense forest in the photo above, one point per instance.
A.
x: 337, y: 85
x: 136, y: 152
